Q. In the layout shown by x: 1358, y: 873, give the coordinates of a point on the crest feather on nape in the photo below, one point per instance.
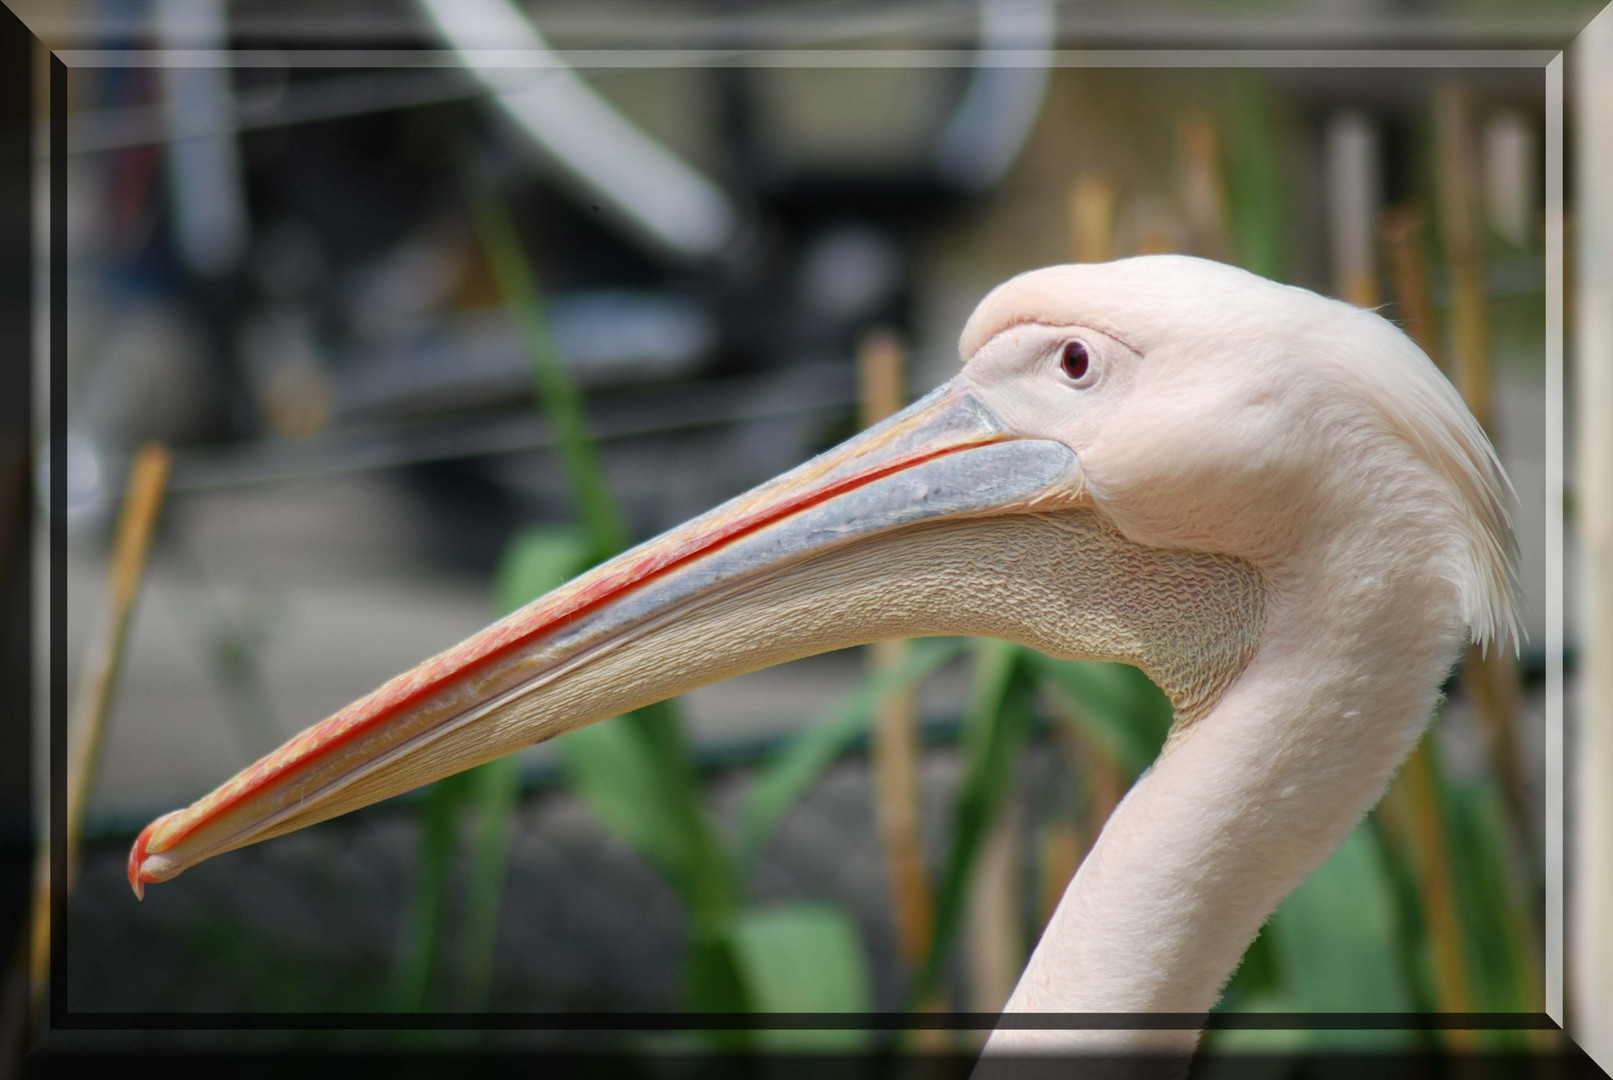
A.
x: 1425, y: 410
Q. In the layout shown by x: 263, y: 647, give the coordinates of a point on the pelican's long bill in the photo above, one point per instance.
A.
x: 808, y: 562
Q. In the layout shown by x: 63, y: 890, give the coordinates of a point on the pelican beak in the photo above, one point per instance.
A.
x: 808, y: 562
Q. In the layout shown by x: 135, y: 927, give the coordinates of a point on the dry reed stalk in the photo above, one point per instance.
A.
x: 895, y: 743
x: 1489, y: 680
x: 1353, y: 206
x: 1204, y: 199
x: 996, y: 947
x: 1092, y: 219
x: 1064, y: 842
x: 92, y: 699
x: 1457, y: 206
x: 1412, y: 809
x: 1060, y: 849
x: 1403, y: 232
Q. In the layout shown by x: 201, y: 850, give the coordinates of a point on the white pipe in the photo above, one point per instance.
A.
x: 1511, y: 176
x: 1004, y: 94
x: 659, y: 195
x: 204, y: 173
x: 1353, y: 206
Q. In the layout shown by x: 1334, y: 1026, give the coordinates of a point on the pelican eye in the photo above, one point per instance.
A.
x: 1075, y: 361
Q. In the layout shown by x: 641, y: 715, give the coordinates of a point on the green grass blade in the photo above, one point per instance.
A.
x: 711, y: 881
x: 421, y: 936
x: 1254, y: 180
x: 647, y: 745
x: 1115, y: 705
x: 557, y: 394
x: 820, y: 744
x: 996, y: 724
x: 804, y: 957
x: 495, y: 791
x: 1336, y: 948
x: 1412, y: 945
x: 1335, y: 934
x: 615, y: 770
x: 533, y: 562
x: 632, y: 771
x: 1497, y: 940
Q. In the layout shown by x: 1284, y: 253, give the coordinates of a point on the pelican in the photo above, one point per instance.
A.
x: 1270, y: 502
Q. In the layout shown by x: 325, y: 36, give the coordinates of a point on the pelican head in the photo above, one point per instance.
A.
x: 1270, y: 502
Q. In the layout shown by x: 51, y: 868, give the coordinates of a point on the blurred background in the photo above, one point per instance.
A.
x: 423, y: 330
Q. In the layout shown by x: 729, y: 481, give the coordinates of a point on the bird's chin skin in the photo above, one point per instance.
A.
x: 717, y: 596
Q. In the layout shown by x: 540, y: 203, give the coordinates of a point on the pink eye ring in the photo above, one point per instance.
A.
x: 1075, y: 360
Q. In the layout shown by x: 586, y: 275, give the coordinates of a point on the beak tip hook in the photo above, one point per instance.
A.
x: 137, y: 859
